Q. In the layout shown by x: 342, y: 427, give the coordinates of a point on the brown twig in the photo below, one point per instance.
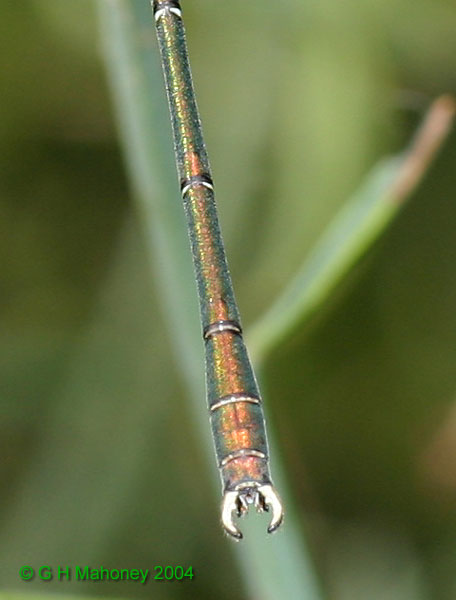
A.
x: 425, y: 145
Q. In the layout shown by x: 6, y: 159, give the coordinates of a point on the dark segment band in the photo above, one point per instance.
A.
x: 220, y: 327
x: 202, y: 179
x: 232, y: 399
x: 242, y: 454
x: 159, y: 4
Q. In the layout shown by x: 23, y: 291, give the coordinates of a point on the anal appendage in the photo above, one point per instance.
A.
x: 236, y: 503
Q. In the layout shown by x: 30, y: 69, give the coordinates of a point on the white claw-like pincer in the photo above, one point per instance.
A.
x: 236, y: 502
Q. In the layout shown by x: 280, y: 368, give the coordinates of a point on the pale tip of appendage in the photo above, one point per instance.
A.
x: 236, y: 503
x: 231, y: 504
x: 273, y: 503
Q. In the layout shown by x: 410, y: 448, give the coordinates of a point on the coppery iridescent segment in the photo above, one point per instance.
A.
x: 236, y: 426
x: 243, y: 470
x: 236, y: 411
x: 228, y: 369
x: 191, y: 155
x: 215, y: 290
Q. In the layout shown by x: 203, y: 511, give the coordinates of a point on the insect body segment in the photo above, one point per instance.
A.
x: 234, y: 402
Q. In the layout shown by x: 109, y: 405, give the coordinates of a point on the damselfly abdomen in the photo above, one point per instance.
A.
x: 234, y: 401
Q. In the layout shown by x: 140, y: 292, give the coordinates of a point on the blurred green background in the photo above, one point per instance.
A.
x: 102, y: 462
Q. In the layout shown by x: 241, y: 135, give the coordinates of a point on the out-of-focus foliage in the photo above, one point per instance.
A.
x: 101, y: 464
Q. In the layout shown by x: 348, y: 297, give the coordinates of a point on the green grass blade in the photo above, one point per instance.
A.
x: 353, y: 231
x: 137, y: 85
